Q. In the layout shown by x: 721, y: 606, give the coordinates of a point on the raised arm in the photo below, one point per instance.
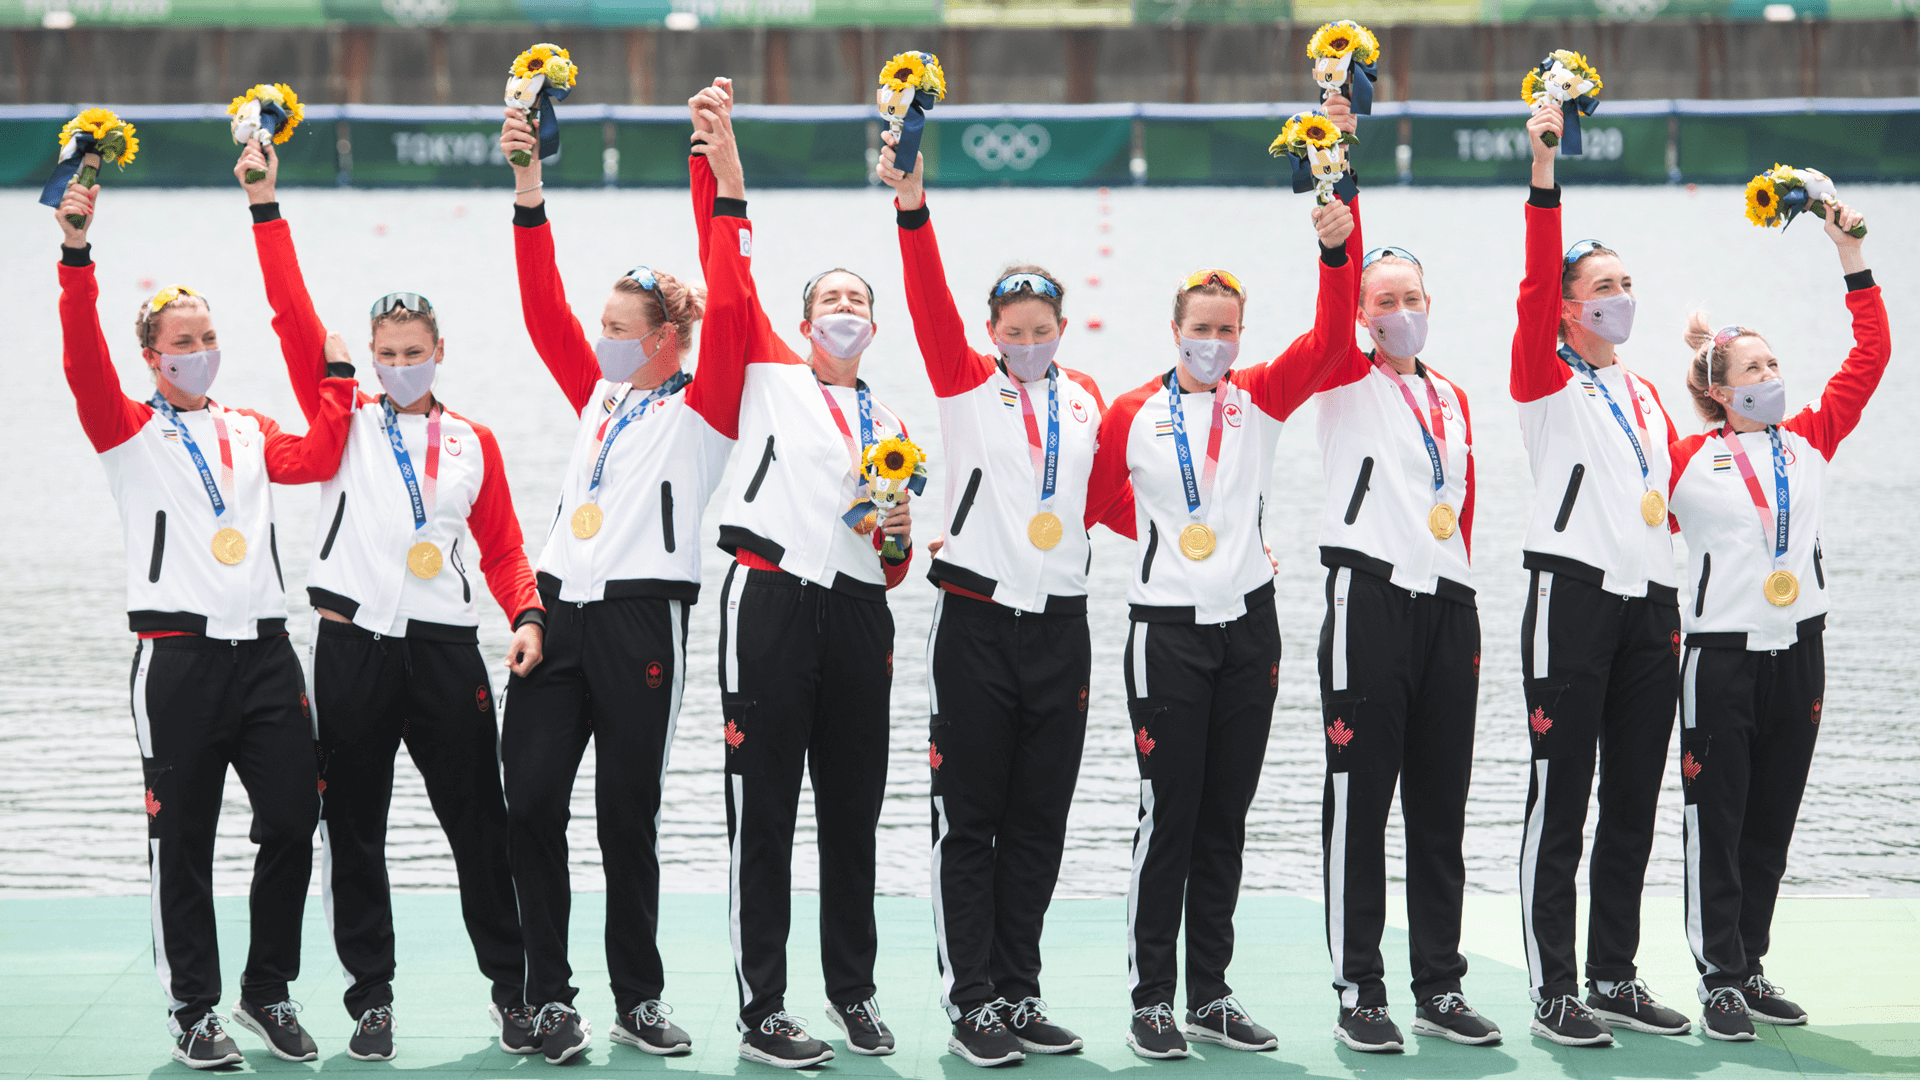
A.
x: 315, y: 456
x: 302, y: 336
x: 1837, y: 413
x: 952, y: 366
x: 551, y: 324
x: 496, y: 532
x: 1283, y: 384
x: 726, y: 250
x: 1537, y: 368
x: 108, y: 416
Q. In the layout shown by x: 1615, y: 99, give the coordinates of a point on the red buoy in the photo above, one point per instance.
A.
x: 1094, y: 324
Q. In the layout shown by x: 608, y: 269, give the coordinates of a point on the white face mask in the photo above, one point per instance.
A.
x: 1400, y: 333
x: 191, y: 373
x: 1610, y: 317
x: 1029, y: 362
x: 621, y: 357
x: 1763, y: 403
x: 1208, y: 359
x: 406, y: 385
x: 841, y: 335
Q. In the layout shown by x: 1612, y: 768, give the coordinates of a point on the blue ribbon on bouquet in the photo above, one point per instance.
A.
x: 67, y: 168
x: 1346, y: 187
x: 912, y: 126
x: 915, y: 484
x: 549, y: 123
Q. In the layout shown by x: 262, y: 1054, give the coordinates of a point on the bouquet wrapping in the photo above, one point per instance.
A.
x: 541, y: 76
x: 94, y: 138
x: 889, y: 468
x: 1566, y: 79
x: 267, y: 113
x: 910, y: 85
x: 1782, y: 193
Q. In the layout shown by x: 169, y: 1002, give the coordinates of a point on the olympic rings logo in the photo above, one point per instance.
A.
x: 1004, y: 146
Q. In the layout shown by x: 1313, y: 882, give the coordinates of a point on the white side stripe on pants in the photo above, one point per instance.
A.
x: 1140, y: 659
x: 730, y: 611
x: 161, y: 965
x: 1529, y: 869
x: 1540, y: 622
x: 1142, y: 841
x: 1689, y: 675
x: 933, y: 635
x: 738, y: 784
x: 326, y: 898
x: 1342, y: 583
x: 142, y: 728
x: 1696, y: 929
x: 1337, y: 877
x: 939, y: 902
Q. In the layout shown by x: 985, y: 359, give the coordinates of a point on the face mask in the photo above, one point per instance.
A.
x: 1029, y: 362
x: 406, y: 385
x: 621, y: 357
x: 1207, y: 359
x: 1401, y: 333
x: 1762, y: 402
x: 191, y: 373
x: 1611, y: 317
x: 842, y: 336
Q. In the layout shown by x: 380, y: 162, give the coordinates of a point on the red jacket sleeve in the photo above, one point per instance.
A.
x: 303, y: 337
x: 726, y: 327
x: 1086, y: 383
x: 551, y: 323
x: 496, y: 531
x: 1673, y: 435
x: 315, y: 456
x: 1468, y: 500
x: 1110, y: 485
x: 1537, y: 367
x: 703, y: 186
x: 108, y: 416
x: 1835, y: 415
x: 1284, y: 383
x: 952, y: 366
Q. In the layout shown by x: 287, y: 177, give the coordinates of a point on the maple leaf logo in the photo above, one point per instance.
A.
x: 1816, y: 710
x: 933, y: 756
x: 1689, y: 768
x: 320, y: 785
x: 153, y: 805
x: 1540, y: 722
x: 1145, y: 743
x: 734, y: 736
x: 1340, y: 734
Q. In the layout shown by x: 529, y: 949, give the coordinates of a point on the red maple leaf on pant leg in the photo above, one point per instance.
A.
x: 1143, y: 741
x: 933, y: 756
x: 1689, y: 768
x: 734, y: 735
x: 1540, y: 721
x: 1340, y: 734
x: 153, y: 805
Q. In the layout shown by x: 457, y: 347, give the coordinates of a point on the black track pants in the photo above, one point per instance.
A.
x: 1201, y: 701
x: 200, y: 705
x: 614, y: 671
x: 805, y: 674
x: 1008, y: 693
x: 370, y: 693
x: 1601, y: 673
x: 1748, y: 722
x: 1399, y: 680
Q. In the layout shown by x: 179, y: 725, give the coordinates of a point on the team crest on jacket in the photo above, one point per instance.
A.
x: 1339, y: 734
x: 480, y: 697
x: 453, y: 445
x: 933, y: 756
x: 1689, y: 768
x: 1232, y: 412
x: 1540, y: 722
x: 655, y: 673
x: 1143, y: 742
x: 1816, y: 710
x: 733, y: 735
x: 1078, y: 410
x: 153, y: 805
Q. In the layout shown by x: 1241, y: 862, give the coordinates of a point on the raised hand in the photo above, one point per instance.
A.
x: 517, y: 134
x: 1334, y: 223
x: 1841, y: 217
x: 79, y: 202
x: 909, y: 187
x: 1544, y: 121
x: 1340, y: 111
x: 712, y: 112
x: 261, y: 158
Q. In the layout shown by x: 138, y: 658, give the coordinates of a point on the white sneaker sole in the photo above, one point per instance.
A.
x: 1622, y: 1020
x: 627, y: 1038
x: 1541, y: 1030
x: 500, y: 1025
x: 1763, y: 1018
x: 749, y: 1053
x: 1195, y: 1033
x: 833, y: 1014
x: 1153, y: 1055
x: 234, y: 1058
x: 1744, y: 1036
x: 241, y: 1019
x: 1032, y: 1047
x: 959, y: 1050
x: 1423, y: 1026
x: 1352, y: 1043
x: 586, y: 1040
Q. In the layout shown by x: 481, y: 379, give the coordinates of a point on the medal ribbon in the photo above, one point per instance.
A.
x: 165, y: 408
x: 1196, y: 493
x: 421, y: 504
x: 1783, y: 502
x: 1436, y: 453
x: 1046, y: 457
x: 866, y: 424
x: 659, y: 393
x: 1586, y: 369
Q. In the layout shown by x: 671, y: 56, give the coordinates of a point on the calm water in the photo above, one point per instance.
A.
x: 69, y: 770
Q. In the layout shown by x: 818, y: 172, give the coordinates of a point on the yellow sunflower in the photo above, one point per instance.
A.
x: 1343, y: 37
x: 1317, y: 131
x: 113, y: 137
x: 280, y: 94
x: 914, y: 71
x: 549, y: 60
x: 1763, y: 201
x: 894, y: 459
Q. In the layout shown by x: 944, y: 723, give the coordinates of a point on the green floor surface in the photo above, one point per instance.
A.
x: 78, y: 995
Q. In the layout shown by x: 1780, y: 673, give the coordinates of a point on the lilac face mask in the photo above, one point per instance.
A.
x: 1400, y: 333
x: 842, y: 336
x: 1764, y: 403
x: 1029, y: 362
x: 1208, y: 359
x: 191, y: 373
x: 621, y: 357
x: 1610, y: 317
x: 405, y: 386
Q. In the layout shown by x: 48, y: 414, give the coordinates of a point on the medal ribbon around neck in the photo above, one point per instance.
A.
x: 858, y: 452
x: 1046, y: 456
x: 165, y: 409
x: 1436, y: 438
x: 1199, y: 493
x: 1586, y: 369
x: 422, y: 504
x: 659, y: 393
x: 1783, y: 504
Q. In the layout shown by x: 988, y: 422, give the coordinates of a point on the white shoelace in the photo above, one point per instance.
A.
x: 781, y: 1023
x: 1760, y: 985
x: 208, y: 1028
x: 1728, y: 1000
x: 986, y: 1017
x: 866, y: 1011
x: 1227, y: 1007
x: 550, y: 1017
x: 1159, y: 1017
x: 1452, y: 1001
x: 1566, y: 1005
x: 651, y: 1014
x: 376, y: 1018
x: 283, y: 1012
x: 1031, y: 1010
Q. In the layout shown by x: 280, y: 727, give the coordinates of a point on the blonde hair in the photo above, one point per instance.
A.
x: 1708, y: 368
x: 1205, y: 288
x: 146, y: 322
x: 675, y: 302
x: 400, y: 316
x: 1369, y: 272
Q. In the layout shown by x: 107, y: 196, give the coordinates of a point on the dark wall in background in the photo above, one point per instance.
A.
x: 1672, y: 59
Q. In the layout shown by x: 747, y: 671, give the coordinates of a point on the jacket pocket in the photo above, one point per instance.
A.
x: 666, y: 514
x: 1347, y: 736
x: 966, y: 503
x: 159, y: 545
x: 1146, y: 716
x: 1566, y: 501
x: 1700, y: 589
x: 1819, y: 569
x: 739, y: 739
x: 339, y: 512
x: 1359, y: 491
x: 760, y: 474
x: 466, y: 587
x: 1153, y: 545
x: 273, y: 548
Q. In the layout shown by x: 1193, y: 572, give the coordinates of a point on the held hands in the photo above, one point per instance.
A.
x: 1334, y: 223
x: 1340, y: 111
x: 517, y: 134
x: 78, y: 200
x: 259, y: 158
x: 526, y: 650
x: 899, y: 521
x: 1841, y: 217
x: 908, y: 187
x: 712, y: 113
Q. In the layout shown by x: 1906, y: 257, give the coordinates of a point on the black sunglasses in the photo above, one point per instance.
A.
x: 413, y: 302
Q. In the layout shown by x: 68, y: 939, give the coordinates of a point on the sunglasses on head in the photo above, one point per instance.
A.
x: 1379, y: 253
x: 643, y: 276
x: 413, y: 302
x: 1211, y: 277
x: 1580, y: 251
x: 167, y: 296
x: 1727, y: 334
x: 1032, y: 283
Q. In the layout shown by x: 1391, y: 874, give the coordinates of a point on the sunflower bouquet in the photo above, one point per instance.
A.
x: 889, y: 467
x: 1319, y: 153
x: 539, y: 77
x: 269, y: 111
x: 94, y: 138
x: 1565, y: 78
x: 910, y: 84
x: 1782, y: 193
x: 1336, y: 50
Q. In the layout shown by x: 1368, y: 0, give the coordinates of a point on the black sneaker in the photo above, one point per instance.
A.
x: 647, y: 1028
x: 1631, y: 1006
x: 563, y: 1032
x: 206, y: 1046
x: 980, y: 1038
x: 1451, y: 1018
x: 1153, y: 1033
x: 1038, y: 1035
x: 1726, y: 1017
x: 782, y: 1042
x: 1369, y: 1031
x: 1565, y: 1021
x: 861, y: 1023
x: 373, y: 1036
x: 1224, y: 1023
x: 515, y: 1023
x: 1765, y: 1004
x: 279, y: 1026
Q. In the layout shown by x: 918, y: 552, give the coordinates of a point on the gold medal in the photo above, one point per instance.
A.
x: 423, y: 559
x: 1782, y: 588
x: 1441, y: 520
x: 1045, y: 530
x: 229, y: 546
x: 586, y: 520
x: 1653, y: 507
x: 1196, y: 541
